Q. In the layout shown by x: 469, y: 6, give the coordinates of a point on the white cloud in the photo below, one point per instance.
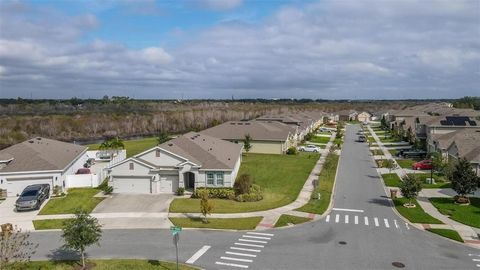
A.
x: 154, y: 55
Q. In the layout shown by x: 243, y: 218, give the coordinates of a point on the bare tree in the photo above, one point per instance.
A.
x: 15, y: 247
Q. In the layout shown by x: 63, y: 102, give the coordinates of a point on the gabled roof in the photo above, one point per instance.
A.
x: 258, y: 130
x: 40, y: 154
x: 467, y: 143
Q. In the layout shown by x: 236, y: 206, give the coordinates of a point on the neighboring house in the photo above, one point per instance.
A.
x: 191, y: 160
x: 266, y: 137
x: 39, y: 161
x: 466, y: 145
x: 347, y: 115
x: 364, y: 117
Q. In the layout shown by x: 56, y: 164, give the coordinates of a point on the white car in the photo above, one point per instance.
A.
x: 309, y: 148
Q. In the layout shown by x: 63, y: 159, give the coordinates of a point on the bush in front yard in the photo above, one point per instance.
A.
x: 242, y: 184
x: 180, y: 191
x: 216, y: 193
x: 292, y: 151
x: 254, y: 195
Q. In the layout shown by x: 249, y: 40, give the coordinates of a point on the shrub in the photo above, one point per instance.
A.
x: 108, y: 190
x: 56, y: 190
x: 292, y: 151
x: 242, y: 184
x: 180, y: 191
x: 103, y: 185
x: 254, y: 195
x: 217, y: 193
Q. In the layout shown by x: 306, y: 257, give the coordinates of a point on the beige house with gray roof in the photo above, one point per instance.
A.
x: 39, y: 161
x: 191, y: 160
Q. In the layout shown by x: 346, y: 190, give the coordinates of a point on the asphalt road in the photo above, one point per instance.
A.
x: 362, y: 232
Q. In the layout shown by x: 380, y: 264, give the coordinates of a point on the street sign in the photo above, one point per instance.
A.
x: 175, y: 230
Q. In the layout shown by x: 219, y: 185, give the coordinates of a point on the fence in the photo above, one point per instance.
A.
x: 83, y: 180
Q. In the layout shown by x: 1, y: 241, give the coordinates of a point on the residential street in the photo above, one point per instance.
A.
x: 361, y: 232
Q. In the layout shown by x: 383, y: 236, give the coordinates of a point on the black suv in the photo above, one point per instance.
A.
x: 32, y: 197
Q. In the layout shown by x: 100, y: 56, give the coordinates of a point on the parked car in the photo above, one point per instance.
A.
x: 309, y: 148
x: 423, y: 165
x: 362, y: 138
x: 325, y: 130
x: 406, y: 153
x: 83, y: 171
x: 32, y: 197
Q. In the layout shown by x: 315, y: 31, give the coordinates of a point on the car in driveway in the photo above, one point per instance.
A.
x: 309, y: 148
x: 32, y: 197
x: 423, y: 165
x: 410, y: 153
x: 325, y: 130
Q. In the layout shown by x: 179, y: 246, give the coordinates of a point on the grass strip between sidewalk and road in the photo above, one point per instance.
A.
x: 391, y: 180
x: 451, y: 234
x: 248, y: 223
x: 326, y: 183
x: 415, y: 215
x: 108, y: 265
x: 48, y: 224
x: 466, y: 214
x: 77, y: 198
x: 284, y: 220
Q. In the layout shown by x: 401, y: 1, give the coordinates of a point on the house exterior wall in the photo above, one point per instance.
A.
x: 265, y: 147
x: 72, y: 169
x: 166, y: 159
x: 363, y: 117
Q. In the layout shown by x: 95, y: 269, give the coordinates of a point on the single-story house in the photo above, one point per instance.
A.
x: 189, y: 161
x: 347, y: 115
x: 266, y: 137
x: 466, y: 145
x: 364, y: 117
x: 39, y: 161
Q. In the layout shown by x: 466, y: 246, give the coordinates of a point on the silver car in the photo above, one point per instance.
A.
x: 32, y: 197
x: 309, y: 148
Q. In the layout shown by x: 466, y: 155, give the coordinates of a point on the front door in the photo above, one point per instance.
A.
x: 190, y: 180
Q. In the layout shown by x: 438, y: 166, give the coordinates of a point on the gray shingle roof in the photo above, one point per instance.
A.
x: 40, y: 154
x: 258, y: 130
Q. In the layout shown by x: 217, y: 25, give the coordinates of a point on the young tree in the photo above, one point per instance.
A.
x: 81, y: 232
x: 410, y: 187
x: 389, y: 164
x: 383, y: 122
x: 246, y: 143
x: 206, y: 206
x: 438, y: 162
x: 163, y: 137
x: 15, y: 248
x: 464, y: 180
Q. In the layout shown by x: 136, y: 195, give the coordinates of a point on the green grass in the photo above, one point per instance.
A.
x: 317, y: 139
x: 440, y: 181
x: 48, y: 224
x: 370, y: 139
x: 133, y: 147
x: 388, y: 139
x: 324, y: 133
x: 391, y: 180
x: 218, y: 223
x: 281, y: 178
x: 405, y: 163
x: 415, y: 215
x: 107, y: 265
x: 284, y: 220
x: 451, y: 234
x: 377, y: 152
x: 326, y: 180
x: 393, y: 152
x: 75, y: 199
x: 466, y: 214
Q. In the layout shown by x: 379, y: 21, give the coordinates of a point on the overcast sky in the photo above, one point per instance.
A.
x: 334, y: 49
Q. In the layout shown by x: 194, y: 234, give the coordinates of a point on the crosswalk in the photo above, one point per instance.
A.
x: 475, y: 259
x: 245, y: 250
x: 375, y: 222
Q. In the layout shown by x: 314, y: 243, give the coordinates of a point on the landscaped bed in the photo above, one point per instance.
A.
x: 447, y: 233
x: 391, y: 180
x: 284, y: 220
x: 133, y: 147
x: 415, y: 215
x: 377, y: 152
x: 466, y: 214
x: 281, y: 178
x: 108, y: 265
x: 77, y: 198
x: 218, y: 223
x: 326, y: 181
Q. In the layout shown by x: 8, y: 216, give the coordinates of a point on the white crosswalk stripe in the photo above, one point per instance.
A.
x: 366, y: 221
x: 377, y: 221
x: 337, y: 218
x: 346, y: 219
x: 386, y: 223
x: 356, y: 219
x: 328, y: 218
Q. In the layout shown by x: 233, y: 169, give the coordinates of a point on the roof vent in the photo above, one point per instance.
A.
x: 210, y: 149
x: 203, y: 139
x: 38, y: 138
x: 170, y: 144
x: 30, y: 141
x: 232, y: 124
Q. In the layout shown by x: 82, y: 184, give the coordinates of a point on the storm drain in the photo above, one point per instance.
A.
x: 342, y: 243
x: 398, y: 264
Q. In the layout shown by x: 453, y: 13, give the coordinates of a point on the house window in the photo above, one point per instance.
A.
x: 157, y: 153
x: 219, y: 178
x: 210, y: 179
x: 131, y: 165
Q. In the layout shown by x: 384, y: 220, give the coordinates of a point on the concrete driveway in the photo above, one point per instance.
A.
x: 151, y: 203
x: 22, y: 219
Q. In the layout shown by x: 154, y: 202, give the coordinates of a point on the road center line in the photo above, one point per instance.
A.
x: 337, y: 218
x: 235, y: 259
x: 241, y: 254
x: 246, y: 249
x: 232, y: 264
x: 257, y: 237
x: 198, y: 254
x: 376, y: 221
x: 356, y: 219
x: 249, y: 245
x: 348, y: 210
x: 257, y: 233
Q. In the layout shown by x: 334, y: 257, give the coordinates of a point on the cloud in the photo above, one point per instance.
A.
x: 328, y: 49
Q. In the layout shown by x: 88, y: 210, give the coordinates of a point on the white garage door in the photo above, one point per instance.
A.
x: 131, y: 185
x: 15, y: 186
x: 168, y: 183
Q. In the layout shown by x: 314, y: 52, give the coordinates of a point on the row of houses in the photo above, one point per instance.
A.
x: 438, y: 127
x: 209, y: 158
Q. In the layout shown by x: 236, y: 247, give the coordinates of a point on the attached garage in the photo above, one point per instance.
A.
x: 132, y: 184
x: 16, y: 185
x: 168, y: 183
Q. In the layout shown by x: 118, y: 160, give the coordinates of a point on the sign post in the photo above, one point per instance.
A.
x: 175, y: 230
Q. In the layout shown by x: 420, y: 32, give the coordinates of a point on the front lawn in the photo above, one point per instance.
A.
x: 108, y: 265
x: 466, y: 214
x: 75, y: 199
x: 448, y: 234
x: 326, y: 181
x: 218, y: 223
x: 133, y: 147
x: 415, y: 215
x: 440, y: 181
x: 281, y: 178
x: 318, y: 139
x: 48, y: 224
x: 284, y: 220
x: 393, y: 152
x: 389, y: 139
x: 405, y: 163
x: 391, y: 180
